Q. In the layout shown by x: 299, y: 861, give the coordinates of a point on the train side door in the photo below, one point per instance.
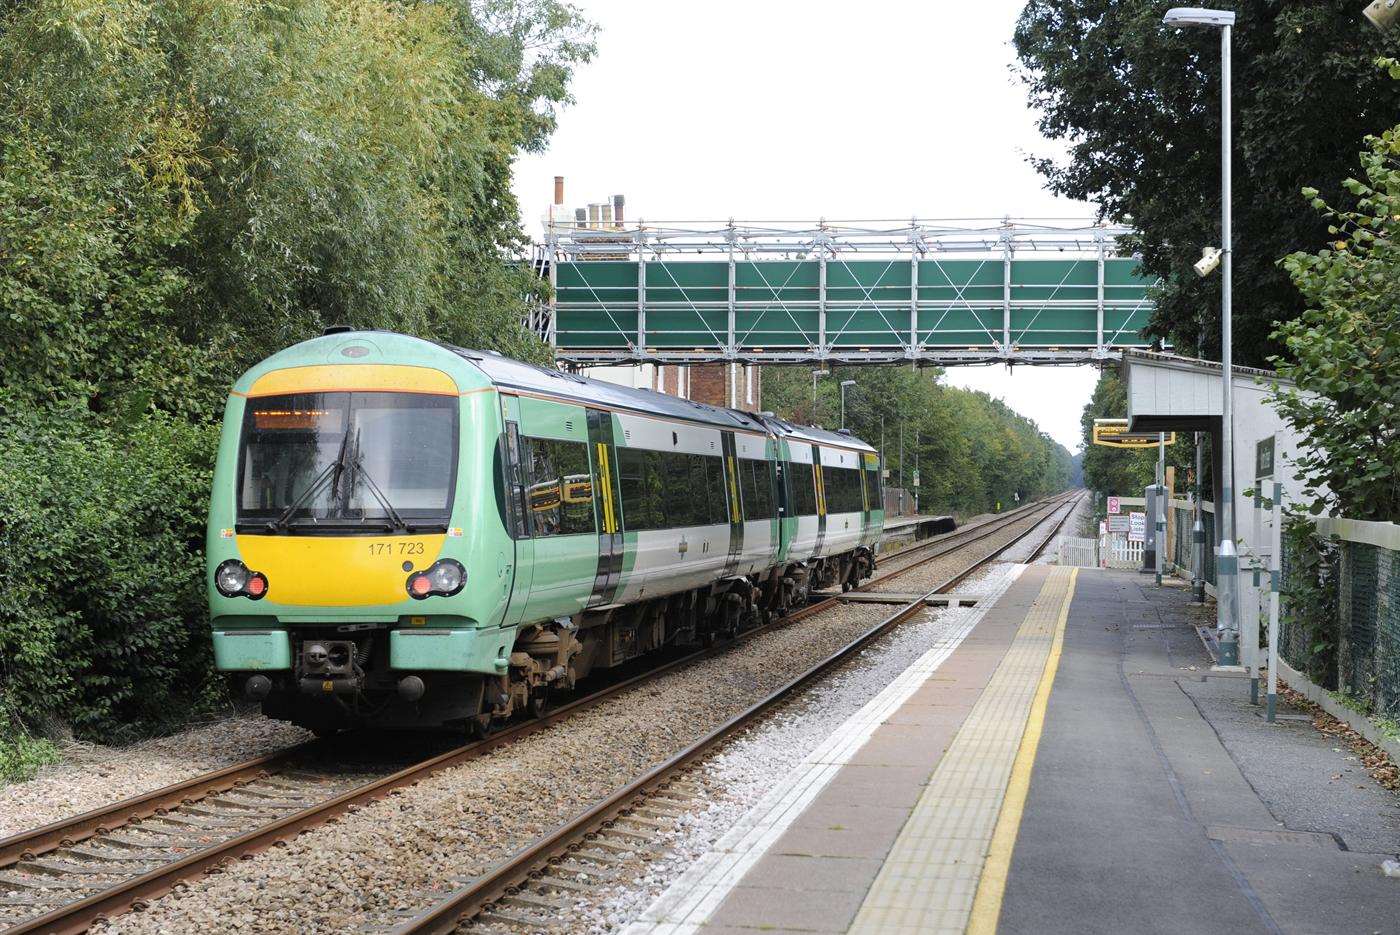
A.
x: 787, y: 517
x: 517, y: 520
x: 559, y: 507
x: 607, y: 575
x: 821, y: 500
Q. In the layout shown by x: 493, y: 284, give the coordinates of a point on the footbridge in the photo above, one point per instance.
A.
x: 939, y: 293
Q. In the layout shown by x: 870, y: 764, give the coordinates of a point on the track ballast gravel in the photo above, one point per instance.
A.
x: 401, y: 853
x: 91, y: 775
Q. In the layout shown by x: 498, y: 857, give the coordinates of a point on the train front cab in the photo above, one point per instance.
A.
x: 355, y: 571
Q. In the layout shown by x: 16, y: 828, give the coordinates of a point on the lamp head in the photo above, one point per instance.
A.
x: 1209, y: 261
x: 1195, y: 16
x: 848, y: 382
x: 1384, y: 14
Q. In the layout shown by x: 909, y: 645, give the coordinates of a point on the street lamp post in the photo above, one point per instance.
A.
x: 1227, y: 564
x: 844, y: 384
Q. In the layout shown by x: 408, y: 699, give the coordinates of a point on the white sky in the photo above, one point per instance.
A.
x: 771, y: 109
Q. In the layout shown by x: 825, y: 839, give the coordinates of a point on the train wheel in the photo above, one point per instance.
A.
x: 539, y: 702
x: 478, y: 727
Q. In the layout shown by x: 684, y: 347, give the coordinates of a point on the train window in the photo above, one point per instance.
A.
x: 872, y: 488
x: 842, y: 490
x: 559, y: 487
x: 642, y: 486
x: 804, y: 489
x: 756, y: 485
x: 670, y: 489
x: 694, y: 489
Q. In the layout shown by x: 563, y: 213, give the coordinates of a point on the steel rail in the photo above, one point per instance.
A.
x: 507, y: 876
x: 999, y: 520
x: 68, y: 831
x: 986, y: 530
x: 79, y: 915
x: 1058, y: 526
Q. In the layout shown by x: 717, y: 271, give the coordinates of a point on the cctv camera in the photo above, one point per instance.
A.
x: 1384, y: 14
x: 1210, y: 257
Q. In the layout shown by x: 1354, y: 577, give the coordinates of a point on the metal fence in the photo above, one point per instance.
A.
x: 1366, y: 631
x: 1179, y: 534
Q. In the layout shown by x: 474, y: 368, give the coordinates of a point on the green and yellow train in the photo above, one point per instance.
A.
x: 407, y: 534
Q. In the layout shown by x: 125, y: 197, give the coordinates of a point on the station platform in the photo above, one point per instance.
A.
x: 1064, y: 761
x: 901, y: 530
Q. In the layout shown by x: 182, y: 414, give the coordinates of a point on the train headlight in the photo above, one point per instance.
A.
x: 445, y: 578
x: 233, y: 579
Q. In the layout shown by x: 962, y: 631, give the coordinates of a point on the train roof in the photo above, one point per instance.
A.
x: 506, y: 371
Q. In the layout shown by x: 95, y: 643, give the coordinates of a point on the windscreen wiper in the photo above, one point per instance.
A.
x: 332, y: 470
x: 359, y: 471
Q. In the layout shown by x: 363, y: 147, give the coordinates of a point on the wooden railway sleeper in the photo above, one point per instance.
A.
x: 556, y: 883
x: 527, y: 900
x: 41, y: 883
x: 612, y: 847
x: 588, y: 872
x: 613, y: 831
x: 62, y: 869
x: 518, y: 923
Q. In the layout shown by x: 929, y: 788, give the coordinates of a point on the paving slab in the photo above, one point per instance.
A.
x: 1158, y: 801
x: 1154, y: 770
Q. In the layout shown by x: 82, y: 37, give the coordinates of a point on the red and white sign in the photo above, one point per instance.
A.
x: 1113, y: 506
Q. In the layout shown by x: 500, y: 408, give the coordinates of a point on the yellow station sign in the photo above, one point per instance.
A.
x: 1113, y: 433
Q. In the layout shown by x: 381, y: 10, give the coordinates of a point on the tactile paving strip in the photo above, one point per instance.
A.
x: 929, y: 880
x: 684, y: 907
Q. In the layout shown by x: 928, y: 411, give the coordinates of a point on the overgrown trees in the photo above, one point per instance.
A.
x: 186, y: 187
x: 1138, y: 107
x: 1343, y: 353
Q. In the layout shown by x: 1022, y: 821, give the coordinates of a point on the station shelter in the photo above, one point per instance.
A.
x: 1167, y: 393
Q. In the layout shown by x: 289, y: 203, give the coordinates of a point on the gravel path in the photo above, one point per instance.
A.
x: 402, y: 852
x: 1022, y: 551
x: 1081, y: 517
x: 91, y: 775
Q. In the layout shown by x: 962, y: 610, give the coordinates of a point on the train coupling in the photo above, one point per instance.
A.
x: 330, y: 667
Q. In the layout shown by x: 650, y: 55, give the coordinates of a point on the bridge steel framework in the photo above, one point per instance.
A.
x: 927, y: 292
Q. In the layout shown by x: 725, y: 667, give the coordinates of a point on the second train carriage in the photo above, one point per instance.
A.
x: 403, y: 533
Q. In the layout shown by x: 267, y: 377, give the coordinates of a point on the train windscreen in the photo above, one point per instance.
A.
x: 348, y: 461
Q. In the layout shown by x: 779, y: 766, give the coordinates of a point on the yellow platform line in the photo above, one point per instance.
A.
x: 953, y: 845
x: 991, y: 889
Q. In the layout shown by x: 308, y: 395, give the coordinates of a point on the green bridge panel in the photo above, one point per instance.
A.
x: 866, y: 307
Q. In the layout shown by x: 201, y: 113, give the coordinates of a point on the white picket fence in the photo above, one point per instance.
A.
x: 1078, y: 552
x: 1115, y: 551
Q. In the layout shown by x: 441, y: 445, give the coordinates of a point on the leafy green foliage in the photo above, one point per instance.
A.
x: 1138, y: 106
x: 1344, y: 352
x: 972, y: 452
x: 21, y: 753
x: 1309, y: 605
x: 186, y: 187
x: 103, y: 569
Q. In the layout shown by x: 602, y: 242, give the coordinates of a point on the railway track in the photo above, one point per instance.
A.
x: 528, y: 891
x: 67, y: 875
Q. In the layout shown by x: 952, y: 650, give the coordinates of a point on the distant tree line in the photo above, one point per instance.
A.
x: 972, y: 452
